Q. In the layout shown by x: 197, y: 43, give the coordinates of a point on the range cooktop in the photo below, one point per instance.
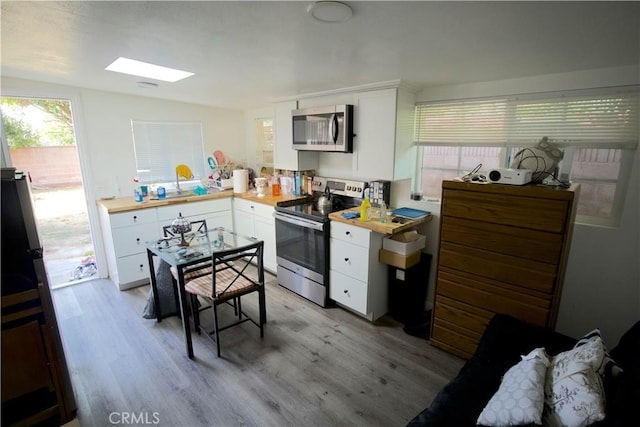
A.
x: 344, y: 195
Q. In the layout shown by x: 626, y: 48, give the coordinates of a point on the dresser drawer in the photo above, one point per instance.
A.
x: 349, y: 259
x: 456, y: 343
x: 518, y: 242
x: 504, y: 268
x: 349, y: 233
x: 348, y: 291
x: 125, y: 219
x: 493, y: 298
x: 465, y: 317
x: 508, y: 209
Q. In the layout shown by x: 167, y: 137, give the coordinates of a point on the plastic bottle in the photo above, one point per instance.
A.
x: 383, y: 212
x: 365, y: 210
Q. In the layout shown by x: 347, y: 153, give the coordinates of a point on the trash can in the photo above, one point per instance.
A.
x: 408, y: 296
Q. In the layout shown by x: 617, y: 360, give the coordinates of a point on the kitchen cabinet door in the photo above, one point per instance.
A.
x: 256, y: 220
x: 285, y: 157
x: 244, y: 223
x: 375, y: 127
x: 265, y: 230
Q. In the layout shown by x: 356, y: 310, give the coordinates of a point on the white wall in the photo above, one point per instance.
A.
x: 105, y: 141
x: 602, y: 283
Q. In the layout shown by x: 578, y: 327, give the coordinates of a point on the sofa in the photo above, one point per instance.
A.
x: 502, y: 346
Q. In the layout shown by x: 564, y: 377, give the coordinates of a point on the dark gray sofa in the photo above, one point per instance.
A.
x: 461, y: 401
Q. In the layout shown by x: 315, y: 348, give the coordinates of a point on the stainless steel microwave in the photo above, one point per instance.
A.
x: 324, y: 129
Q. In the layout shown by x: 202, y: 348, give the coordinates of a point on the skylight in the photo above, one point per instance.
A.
x: 144, y: 69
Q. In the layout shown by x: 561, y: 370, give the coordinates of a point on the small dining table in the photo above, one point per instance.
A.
x: 201, y: 246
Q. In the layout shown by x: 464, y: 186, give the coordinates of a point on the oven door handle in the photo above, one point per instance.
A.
x: 299, y: 221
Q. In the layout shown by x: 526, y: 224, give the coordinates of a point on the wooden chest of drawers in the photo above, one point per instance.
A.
x: 502, y: 249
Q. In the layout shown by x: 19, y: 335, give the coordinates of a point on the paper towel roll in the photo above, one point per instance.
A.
x: 240, y: 180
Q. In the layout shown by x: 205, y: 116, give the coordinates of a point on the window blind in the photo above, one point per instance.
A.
x: 607, y: 117
x: 161, y: 146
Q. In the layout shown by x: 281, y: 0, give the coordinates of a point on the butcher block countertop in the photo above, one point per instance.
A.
x: 124, y: 204
x: 270, y: 200
x: 374, y: 223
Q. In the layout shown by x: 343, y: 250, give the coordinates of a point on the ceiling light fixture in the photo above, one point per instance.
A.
x: 329, y: 11
x: 144, y: 69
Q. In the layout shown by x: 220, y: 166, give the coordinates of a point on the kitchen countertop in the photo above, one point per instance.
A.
x: 270, y: 200
x: 374, y: 223
x: 124, y: 204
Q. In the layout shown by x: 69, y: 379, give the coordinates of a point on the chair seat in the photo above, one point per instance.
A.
x: 224, y: 287
x: 196, y: 270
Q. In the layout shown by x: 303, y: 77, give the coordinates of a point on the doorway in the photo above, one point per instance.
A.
x: 40, y: 139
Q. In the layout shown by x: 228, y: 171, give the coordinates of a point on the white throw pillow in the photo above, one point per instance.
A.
x: 574, y: 393
x: 520, y: 398
x: 608, y: 368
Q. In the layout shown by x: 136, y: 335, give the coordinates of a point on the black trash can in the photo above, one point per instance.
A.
x: 408, y: 296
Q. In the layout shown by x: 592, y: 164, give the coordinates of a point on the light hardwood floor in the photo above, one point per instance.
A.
x: 314, y: 367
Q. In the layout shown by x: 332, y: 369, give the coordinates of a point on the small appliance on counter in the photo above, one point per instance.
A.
x: 379, y: 191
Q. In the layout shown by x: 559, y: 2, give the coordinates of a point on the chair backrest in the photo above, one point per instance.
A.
x: 223, y: 261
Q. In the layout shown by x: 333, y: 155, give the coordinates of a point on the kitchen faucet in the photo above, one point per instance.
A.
x: 182, y: 171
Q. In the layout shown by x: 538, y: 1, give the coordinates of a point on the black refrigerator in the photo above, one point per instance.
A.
x: 36, y: 387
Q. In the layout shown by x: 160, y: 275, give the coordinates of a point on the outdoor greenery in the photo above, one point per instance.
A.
x: 20, y: 132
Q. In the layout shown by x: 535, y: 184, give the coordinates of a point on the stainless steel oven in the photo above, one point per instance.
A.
x: 302, y: 248
x: 302, y: 238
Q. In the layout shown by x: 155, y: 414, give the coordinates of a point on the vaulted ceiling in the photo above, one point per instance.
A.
x: 245, y: 54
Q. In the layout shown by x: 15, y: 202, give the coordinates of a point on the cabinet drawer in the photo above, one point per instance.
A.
x: 526, y: 212
x: 519, y: 242
x: 350, y: 259
x: 348, y: 291
x: 133, y: 268
x: 349, y: 233
x: 131, y: 240
x: 248, y: 206
x: 192, y: 209
x: 493, y: 298
x: 504, y: 268
x: 125, y: 219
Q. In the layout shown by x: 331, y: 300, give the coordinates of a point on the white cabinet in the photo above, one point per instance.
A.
x: 285, y: 157
x: 256, y: 220
x: 358, y: 280
x: 375, y: 127
x: 125, y: 235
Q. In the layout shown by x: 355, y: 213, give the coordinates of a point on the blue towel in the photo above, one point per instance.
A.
x: 350, y: 215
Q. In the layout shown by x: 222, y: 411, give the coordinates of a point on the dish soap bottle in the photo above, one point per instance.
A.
x: 365, y: 210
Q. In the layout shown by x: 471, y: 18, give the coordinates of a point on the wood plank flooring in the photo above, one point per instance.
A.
x: 314, y: 367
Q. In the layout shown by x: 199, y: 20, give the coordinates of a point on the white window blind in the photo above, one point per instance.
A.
x: 607, y: 117
x: 161, y: 146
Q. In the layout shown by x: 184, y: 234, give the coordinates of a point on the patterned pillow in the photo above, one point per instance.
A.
x: 574, y: 393
x: 520, y: 398
x: 608, y: 368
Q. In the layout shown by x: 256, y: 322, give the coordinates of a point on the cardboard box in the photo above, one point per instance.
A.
x: 404, y: 243
x: 397, y: 260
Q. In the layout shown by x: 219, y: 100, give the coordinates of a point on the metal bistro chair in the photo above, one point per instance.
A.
x: 230, y: 282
